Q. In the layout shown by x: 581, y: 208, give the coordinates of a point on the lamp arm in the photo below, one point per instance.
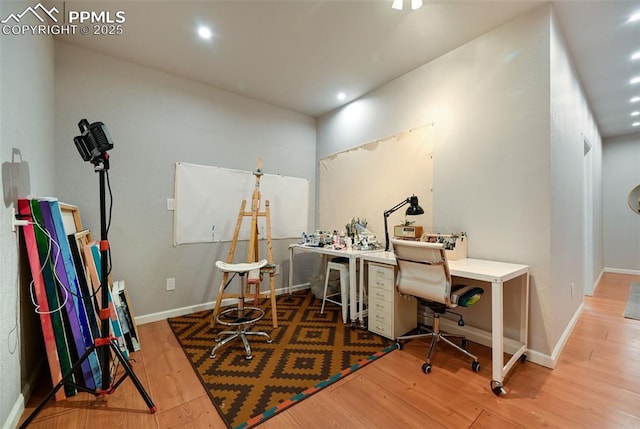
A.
x: 387, y: 213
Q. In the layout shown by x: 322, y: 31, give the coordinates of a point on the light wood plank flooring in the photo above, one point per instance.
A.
x: 595, y: 385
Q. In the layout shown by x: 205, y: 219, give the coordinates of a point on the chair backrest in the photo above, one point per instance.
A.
x: 423, y: 270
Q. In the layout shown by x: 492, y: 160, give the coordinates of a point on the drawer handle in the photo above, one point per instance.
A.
x: 381, y: 295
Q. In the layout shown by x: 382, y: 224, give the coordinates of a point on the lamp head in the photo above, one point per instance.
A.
x: 414, y: 208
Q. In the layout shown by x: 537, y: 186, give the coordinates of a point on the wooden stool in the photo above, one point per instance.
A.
x: 241, y: 317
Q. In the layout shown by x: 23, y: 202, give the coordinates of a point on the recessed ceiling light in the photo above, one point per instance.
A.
x: 635, y: 17
x: 636, y: 113
x: 635, y: 79
x: 341, y: 96
x: 635, y: 99
x: 635, y: 124
x: 397, y: 5
x: 416, y: 4
x: 204, y: 32
x: 636, y: 56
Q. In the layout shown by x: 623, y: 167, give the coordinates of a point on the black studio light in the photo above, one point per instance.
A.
x: 93, y: 144
x: 94, y: 141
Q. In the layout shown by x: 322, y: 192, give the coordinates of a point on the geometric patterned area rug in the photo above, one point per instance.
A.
x: 632, y: 309
x: 309, y: 351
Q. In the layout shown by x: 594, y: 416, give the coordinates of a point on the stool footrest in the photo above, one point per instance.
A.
x: 240, y: 317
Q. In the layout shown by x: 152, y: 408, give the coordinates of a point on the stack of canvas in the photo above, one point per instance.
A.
x: 65, y: 265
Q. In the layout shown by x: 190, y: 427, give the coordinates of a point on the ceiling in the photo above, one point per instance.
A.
x: 299, y: 54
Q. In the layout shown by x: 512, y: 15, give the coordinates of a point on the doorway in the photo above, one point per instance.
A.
x: 587, y: 210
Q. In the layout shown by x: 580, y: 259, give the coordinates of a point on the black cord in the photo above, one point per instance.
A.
x: 109, y: 220
x: 110, y: 200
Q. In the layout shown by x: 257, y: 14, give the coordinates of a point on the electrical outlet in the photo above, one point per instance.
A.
x: 15, y: 222
x: 171, y: 284
x: 277, y: 270
x: 171, y: 204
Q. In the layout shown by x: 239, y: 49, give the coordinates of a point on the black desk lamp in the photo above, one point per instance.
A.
x: 412, y: 210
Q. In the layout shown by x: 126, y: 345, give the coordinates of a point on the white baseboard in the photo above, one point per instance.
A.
x: 480, y: 336
x: 162, y: 315
x: 621, y: 271
x: 14, y: 415
x: 18, y: 408
x: 597, y: 282
x: 557, y: 350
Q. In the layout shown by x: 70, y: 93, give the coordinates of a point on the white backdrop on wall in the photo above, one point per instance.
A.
x: 208, y: 201
x: 365, y: 181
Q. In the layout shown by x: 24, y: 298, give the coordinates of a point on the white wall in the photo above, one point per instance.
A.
x: 490, y: 102
x: 156, y: 119
x: 571, y: 123
x: 26, y: 124
x: 621, y: 173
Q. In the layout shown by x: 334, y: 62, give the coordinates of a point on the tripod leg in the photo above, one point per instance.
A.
x: 129, y: 372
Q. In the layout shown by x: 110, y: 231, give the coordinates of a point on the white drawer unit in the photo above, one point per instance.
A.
x: 390, y: 314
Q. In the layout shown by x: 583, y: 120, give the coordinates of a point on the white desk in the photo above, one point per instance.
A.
x: 352, y: 255
x: 495, y: 273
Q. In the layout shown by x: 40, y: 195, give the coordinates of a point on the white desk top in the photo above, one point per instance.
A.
x: 334, y: 252
x: 478, y: 269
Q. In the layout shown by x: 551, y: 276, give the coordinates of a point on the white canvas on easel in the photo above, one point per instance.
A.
x: 207, y: 200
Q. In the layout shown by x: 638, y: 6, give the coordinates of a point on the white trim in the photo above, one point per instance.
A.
x: 18, y: 408
x: 595, y: 285
x: 162, y: 315
x: 621, y: 271
x: 557, y: 350
x: 483, y: 337
x: 14, y: 415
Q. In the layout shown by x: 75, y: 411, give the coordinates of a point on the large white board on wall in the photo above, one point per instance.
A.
x: 208, y: 201
x: 367, y: 180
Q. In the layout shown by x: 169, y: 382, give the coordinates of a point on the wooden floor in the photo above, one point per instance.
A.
x: 596, y: 384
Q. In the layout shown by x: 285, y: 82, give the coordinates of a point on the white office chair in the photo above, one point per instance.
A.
x: 423, y: 272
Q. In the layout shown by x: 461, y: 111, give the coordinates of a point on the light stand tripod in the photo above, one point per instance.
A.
x: 106, y: 342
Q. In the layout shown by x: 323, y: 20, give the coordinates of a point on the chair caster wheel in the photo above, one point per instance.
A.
x: 497, y: 388
x: 426, y: 368
x: 399, y: 345
x: 523, y: 358
x: 475, y: 366
x: 460, y: 322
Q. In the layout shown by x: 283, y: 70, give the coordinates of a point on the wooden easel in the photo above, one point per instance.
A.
x: 252, y: 252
